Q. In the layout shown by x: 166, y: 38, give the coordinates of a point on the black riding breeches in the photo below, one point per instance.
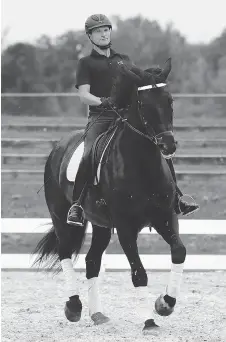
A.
x: 93, y: 129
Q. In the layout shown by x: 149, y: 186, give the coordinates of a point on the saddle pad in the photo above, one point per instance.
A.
x: 74, y: 162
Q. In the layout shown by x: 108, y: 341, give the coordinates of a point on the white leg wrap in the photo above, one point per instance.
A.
x: 146, y: 303
x: 94, y: 296
x: 175, y: 278
x: 70, y: 277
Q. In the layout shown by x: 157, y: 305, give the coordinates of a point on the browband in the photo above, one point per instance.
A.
x: 150, y: 86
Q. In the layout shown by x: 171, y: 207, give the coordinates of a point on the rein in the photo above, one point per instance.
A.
x: 153, y: 138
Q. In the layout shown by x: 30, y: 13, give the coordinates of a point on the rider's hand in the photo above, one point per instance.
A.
x: 107, y: 102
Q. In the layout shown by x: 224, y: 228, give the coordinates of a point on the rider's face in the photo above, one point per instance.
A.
x: 101, y: 35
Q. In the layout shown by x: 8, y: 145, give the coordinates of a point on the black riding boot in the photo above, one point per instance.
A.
x: 75, y: 214
x: 181, y: 206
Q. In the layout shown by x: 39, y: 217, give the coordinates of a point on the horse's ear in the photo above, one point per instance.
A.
x: 166, y: 70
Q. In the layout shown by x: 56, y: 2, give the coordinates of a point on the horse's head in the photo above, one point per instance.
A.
x: 154, y: 104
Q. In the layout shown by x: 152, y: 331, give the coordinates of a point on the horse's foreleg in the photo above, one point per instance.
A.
x: 170, y: 232
x: 128, y: 241
x: 100, y: 240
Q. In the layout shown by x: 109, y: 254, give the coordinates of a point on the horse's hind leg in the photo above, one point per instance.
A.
x: 68, y: 237
x: 168, y: 228
x: 100, y: 240
x: 68, y: 240
x: 73, y: 307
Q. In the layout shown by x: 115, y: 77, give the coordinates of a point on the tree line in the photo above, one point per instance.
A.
x: 49, y: 65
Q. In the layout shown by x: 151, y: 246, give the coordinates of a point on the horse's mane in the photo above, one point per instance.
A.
x: 155, y: 71
x: 128, y: 78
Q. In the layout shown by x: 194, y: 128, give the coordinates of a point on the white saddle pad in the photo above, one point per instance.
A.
x: 73, y: 165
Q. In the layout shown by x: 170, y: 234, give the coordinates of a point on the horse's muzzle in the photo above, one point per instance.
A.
x: 167, y: 145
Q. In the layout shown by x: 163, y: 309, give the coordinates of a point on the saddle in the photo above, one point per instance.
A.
x: 96, y: 209
x: 99, y: 152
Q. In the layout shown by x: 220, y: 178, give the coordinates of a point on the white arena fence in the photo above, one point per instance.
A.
x: 73, y: 94
x: 117, y: 262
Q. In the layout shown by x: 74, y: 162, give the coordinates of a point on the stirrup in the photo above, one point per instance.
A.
x: 77, y: 205
x: 70, y: 217
x: 180, y: 200
x: 179, y: 205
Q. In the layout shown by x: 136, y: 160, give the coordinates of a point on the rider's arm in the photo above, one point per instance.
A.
x: 83, y: 81
x: 86, y: 97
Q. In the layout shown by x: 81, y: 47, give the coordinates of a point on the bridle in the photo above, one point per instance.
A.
x: 155, y: 138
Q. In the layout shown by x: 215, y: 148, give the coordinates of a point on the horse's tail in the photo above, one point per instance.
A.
x: 47, y: 249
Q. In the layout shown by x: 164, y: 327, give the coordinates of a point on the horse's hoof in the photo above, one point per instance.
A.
x: 98, y: 318
x: 162, y: 308
x: 150, y: 327
x: 73, y: 310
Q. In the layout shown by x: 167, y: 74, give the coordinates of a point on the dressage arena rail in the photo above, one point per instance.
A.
x: 118, y: 262
x: 179, y: 95
x: 191, y: 158
x: 73, y: 126
x: 6, y: 142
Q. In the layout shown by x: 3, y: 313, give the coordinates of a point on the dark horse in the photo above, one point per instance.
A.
x: 136, y: 189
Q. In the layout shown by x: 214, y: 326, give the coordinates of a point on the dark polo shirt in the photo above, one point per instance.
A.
x: 98, y: 71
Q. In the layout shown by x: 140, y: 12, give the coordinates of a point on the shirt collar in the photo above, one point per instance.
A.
x: 96, y: 54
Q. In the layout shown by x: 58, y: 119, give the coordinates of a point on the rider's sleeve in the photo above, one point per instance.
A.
x: 82, y: 73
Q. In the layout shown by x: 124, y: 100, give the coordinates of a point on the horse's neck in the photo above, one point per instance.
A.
x: 134, y: 147
x: 134, y: 118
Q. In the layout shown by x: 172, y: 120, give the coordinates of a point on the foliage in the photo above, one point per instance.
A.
x: 50, y: 65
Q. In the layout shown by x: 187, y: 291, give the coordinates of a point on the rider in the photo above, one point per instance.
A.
x: 94, y: 80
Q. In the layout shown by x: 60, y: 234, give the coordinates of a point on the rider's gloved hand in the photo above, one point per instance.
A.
x: 107, y: 102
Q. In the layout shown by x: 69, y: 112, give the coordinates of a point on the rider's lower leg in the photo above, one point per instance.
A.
x: 181, y: 206
x: 75, y: 214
